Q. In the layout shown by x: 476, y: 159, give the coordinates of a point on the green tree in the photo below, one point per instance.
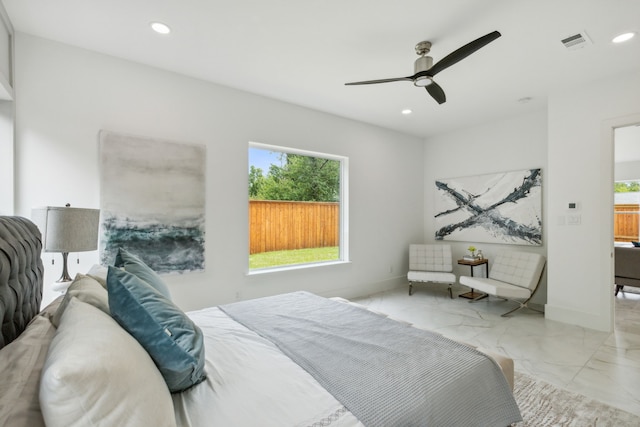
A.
x: 626, y: 187
x: 256, y: 181
x: 300, y: 178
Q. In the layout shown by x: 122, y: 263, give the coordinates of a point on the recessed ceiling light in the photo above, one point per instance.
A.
x: 623, y: 37
x: 160, y: 28
x: 406, y: 111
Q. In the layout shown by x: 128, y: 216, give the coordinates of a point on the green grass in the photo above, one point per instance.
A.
x: 295, y: 256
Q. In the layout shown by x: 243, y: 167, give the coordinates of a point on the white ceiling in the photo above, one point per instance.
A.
x: 303, y: 51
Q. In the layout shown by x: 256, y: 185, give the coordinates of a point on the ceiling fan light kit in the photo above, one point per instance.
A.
x: 422, y: 81
x: 424, y: 70
x: 422, y: 64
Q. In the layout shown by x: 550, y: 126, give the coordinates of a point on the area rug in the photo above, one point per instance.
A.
x: 544, y: 405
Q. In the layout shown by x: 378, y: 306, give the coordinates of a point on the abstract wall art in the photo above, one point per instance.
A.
x: 152, y: 197
x: 494, y: 208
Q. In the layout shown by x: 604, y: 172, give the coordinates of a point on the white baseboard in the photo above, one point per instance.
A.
x: 579, y: 318
x: 368, y: 288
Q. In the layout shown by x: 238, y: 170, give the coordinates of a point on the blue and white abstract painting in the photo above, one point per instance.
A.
x: 494, y: 208
x: 152, y: 197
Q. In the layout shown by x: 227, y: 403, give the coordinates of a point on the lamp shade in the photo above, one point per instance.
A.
x: 66, y: 229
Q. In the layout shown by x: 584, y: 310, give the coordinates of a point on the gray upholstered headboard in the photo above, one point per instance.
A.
x: 21, y: 275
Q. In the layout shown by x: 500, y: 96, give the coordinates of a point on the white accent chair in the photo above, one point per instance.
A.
x: 514, y: 276
x: 430, y: 263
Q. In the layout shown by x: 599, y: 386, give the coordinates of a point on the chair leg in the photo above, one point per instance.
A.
x: 481, y: 295
x: 511, y: 311
x: 450, y: 289
x: 521, y: 305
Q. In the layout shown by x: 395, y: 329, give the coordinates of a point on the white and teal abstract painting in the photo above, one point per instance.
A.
x: 152, y: 197
x: 502, y: 207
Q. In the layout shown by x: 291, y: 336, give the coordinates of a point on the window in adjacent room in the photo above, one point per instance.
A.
x: 297, y: 208
x: 626, y: 214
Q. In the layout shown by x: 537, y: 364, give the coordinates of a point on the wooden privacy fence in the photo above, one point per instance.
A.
x: 282, y: 225
x: 626, y: 218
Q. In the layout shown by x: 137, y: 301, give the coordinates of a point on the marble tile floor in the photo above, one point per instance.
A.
x: 602, y: 366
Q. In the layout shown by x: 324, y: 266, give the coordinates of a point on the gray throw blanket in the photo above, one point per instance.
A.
x: 385, y: 372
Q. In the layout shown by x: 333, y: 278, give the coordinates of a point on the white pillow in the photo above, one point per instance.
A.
x: 86, y: 289
x: 96, y: 374
x: 99, y: 273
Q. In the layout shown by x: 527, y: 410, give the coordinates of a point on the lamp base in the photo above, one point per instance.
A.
x: 65, y: 272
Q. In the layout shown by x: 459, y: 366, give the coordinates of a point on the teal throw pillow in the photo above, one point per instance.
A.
x: 173, y: 341
x: 135, y: 265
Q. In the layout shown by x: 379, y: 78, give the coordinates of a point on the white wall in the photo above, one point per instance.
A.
x: 627, y: 171
x: 6, y: 115
x: 576, y: 136
x: 627, y: 153
x: 6, y: 157
x: 65, y: 95
x: 581, y: 122
x: 512, y: 144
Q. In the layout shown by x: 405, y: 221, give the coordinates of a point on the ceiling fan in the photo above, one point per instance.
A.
x: 425, y: 69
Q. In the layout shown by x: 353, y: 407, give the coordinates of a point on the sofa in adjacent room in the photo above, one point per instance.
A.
x: 627, y: 267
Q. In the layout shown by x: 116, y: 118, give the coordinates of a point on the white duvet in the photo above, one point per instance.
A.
x: 251, y: 383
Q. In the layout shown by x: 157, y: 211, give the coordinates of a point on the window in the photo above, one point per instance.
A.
x: 626, y: 218
x: 297, y: 208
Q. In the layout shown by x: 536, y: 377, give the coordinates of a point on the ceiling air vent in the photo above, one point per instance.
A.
x: 576, y: 41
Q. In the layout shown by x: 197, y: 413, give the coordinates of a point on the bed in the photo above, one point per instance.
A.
x: 115, y: 351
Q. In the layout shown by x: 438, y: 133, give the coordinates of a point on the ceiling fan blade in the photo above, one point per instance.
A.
x: 369, y: 82
x: 461, y: 53
x: 436, y: 93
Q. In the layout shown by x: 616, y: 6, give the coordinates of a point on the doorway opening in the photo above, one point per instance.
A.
x: 626, y: 227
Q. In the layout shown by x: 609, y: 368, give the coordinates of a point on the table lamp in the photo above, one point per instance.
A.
x: 67, y: 229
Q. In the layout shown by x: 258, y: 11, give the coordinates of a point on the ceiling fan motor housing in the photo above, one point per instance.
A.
x: 422, y: 64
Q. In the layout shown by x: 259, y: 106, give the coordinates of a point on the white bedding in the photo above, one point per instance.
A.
x: 244, y: 373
